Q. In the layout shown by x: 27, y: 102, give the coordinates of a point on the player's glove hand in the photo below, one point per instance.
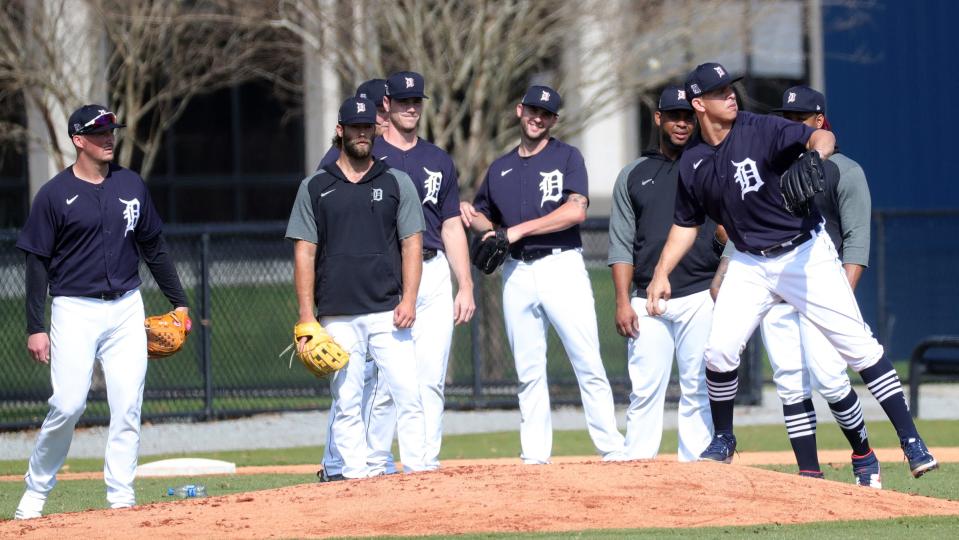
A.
x: 166, y: 333
x: 804, y: 178
x: 488, y: 254
x: 321, y: 354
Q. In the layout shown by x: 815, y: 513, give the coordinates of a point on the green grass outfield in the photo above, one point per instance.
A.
x: 250, y: 325
x: 76, y: 495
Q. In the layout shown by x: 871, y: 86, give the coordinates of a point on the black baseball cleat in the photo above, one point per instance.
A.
x: 866, y: 470
x: 323, y: 477
x: 920, y: 460
x: 812, y: 474
x: 721, y: 449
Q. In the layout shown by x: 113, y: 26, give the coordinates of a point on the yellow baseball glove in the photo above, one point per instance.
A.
x: 321, y: 355
x: 166, y: 333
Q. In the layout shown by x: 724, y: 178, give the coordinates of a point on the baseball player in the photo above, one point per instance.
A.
x: 800, y: 355
x: 373, y: 90
x: 444, y: 247
x: 538, y: 192
x: 643, y: 200
x: 730, y: 172
x: 357, y: 231
x: 83, y: 241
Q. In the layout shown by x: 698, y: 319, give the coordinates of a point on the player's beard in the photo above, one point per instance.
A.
x: 667, y: 141
x: 354, y: 152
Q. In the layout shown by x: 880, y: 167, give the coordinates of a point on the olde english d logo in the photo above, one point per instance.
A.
x: 747, y: 176
x: 131, y: 214
x: 432, y: 186
x: 377, y: 195
x: 551, y: 185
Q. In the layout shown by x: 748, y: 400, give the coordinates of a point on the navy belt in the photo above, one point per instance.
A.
x: 106, y: 296
x: 429, y: 254
x: 530, y: 255
x: 785, y: 247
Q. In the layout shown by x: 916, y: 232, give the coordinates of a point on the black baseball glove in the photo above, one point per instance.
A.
x: 803, y: 179
x: 488, y: 254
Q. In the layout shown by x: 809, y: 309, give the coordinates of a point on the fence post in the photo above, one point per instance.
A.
x: 476, y: 337
x: 205, y: 325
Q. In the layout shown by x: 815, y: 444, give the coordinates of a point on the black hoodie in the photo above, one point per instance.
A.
x: 643, y: 205
x: 358, y: 228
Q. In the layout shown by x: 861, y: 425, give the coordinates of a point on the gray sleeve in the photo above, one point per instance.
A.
x: 855, y: 208
x: 622, y: 220
x: 302, y: 224
x: 409, y: 219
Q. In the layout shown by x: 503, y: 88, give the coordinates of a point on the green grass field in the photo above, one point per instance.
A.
x: 76, y: 495
x: 245, y: 356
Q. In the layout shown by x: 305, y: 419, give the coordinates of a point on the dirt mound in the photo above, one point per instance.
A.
x: 500, y: 498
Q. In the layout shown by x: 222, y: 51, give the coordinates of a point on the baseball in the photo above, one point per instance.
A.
x: 661, y: 305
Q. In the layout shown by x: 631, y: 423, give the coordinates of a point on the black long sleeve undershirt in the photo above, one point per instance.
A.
x: 37, y: 280
x: 157, y: 258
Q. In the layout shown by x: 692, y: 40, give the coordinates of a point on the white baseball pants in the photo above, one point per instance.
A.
x: 801, y: 357
x: 811, y: 279
x: 432, y: 336
x: 682, y: 330
x: 82, y: 331
x: 392, y: 352
x: 556, y: 290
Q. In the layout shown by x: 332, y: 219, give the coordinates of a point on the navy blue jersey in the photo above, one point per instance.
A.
x: 737, y: 182
x: 331, y: 156
x: 518, y: 189
x: 435, y: 178
x: 90, y: 231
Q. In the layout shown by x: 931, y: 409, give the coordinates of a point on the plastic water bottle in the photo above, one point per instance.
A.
x: 188, y: 491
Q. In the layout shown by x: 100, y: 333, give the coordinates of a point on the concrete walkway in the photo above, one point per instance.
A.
x: 286, y: 430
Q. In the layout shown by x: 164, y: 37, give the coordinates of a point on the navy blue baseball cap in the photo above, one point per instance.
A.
x: 803, y: 99
x: 357, y: 111
x: 92, y: 119
x: 673, y: 98
x: 406, y: 84
x: 707, y: 77
x: 543, y: 97
x: 373, y: 90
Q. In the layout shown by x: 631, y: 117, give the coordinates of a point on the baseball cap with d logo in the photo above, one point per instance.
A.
x: 543, y: 97
x: 406, y: 84
x: 802, y: 99
x: 705, y: 78
x: 357, y: 111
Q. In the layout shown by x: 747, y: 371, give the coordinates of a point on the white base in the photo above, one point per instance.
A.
x: 186, y: 467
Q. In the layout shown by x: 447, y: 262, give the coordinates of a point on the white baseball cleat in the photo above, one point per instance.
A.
x: 31, y: 505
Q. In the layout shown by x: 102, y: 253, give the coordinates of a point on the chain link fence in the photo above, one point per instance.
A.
x: 239, y: 282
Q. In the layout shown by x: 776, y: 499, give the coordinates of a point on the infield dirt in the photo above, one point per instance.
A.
x: 496, y: 497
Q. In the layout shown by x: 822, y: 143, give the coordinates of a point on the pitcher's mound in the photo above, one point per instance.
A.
x: 502, y: 498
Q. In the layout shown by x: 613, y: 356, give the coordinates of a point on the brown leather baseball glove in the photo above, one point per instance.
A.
x: 166, y: 333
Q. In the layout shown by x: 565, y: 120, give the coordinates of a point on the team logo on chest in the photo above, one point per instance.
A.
x: 376, y: 195
x: 747, y: 176
x: 432, y: 186
x: 131, y: 214
x: 551, y: 185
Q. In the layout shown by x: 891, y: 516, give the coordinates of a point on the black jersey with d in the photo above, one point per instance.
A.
x: 90, y: 231
x: 736, y: 183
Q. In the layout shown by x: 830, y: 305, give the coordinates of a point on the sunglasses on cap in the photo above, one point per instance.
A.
x: 105, y: 119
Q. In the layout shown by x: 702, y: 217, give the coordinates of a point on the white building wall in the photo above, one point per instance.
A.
x: 83, y: 76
